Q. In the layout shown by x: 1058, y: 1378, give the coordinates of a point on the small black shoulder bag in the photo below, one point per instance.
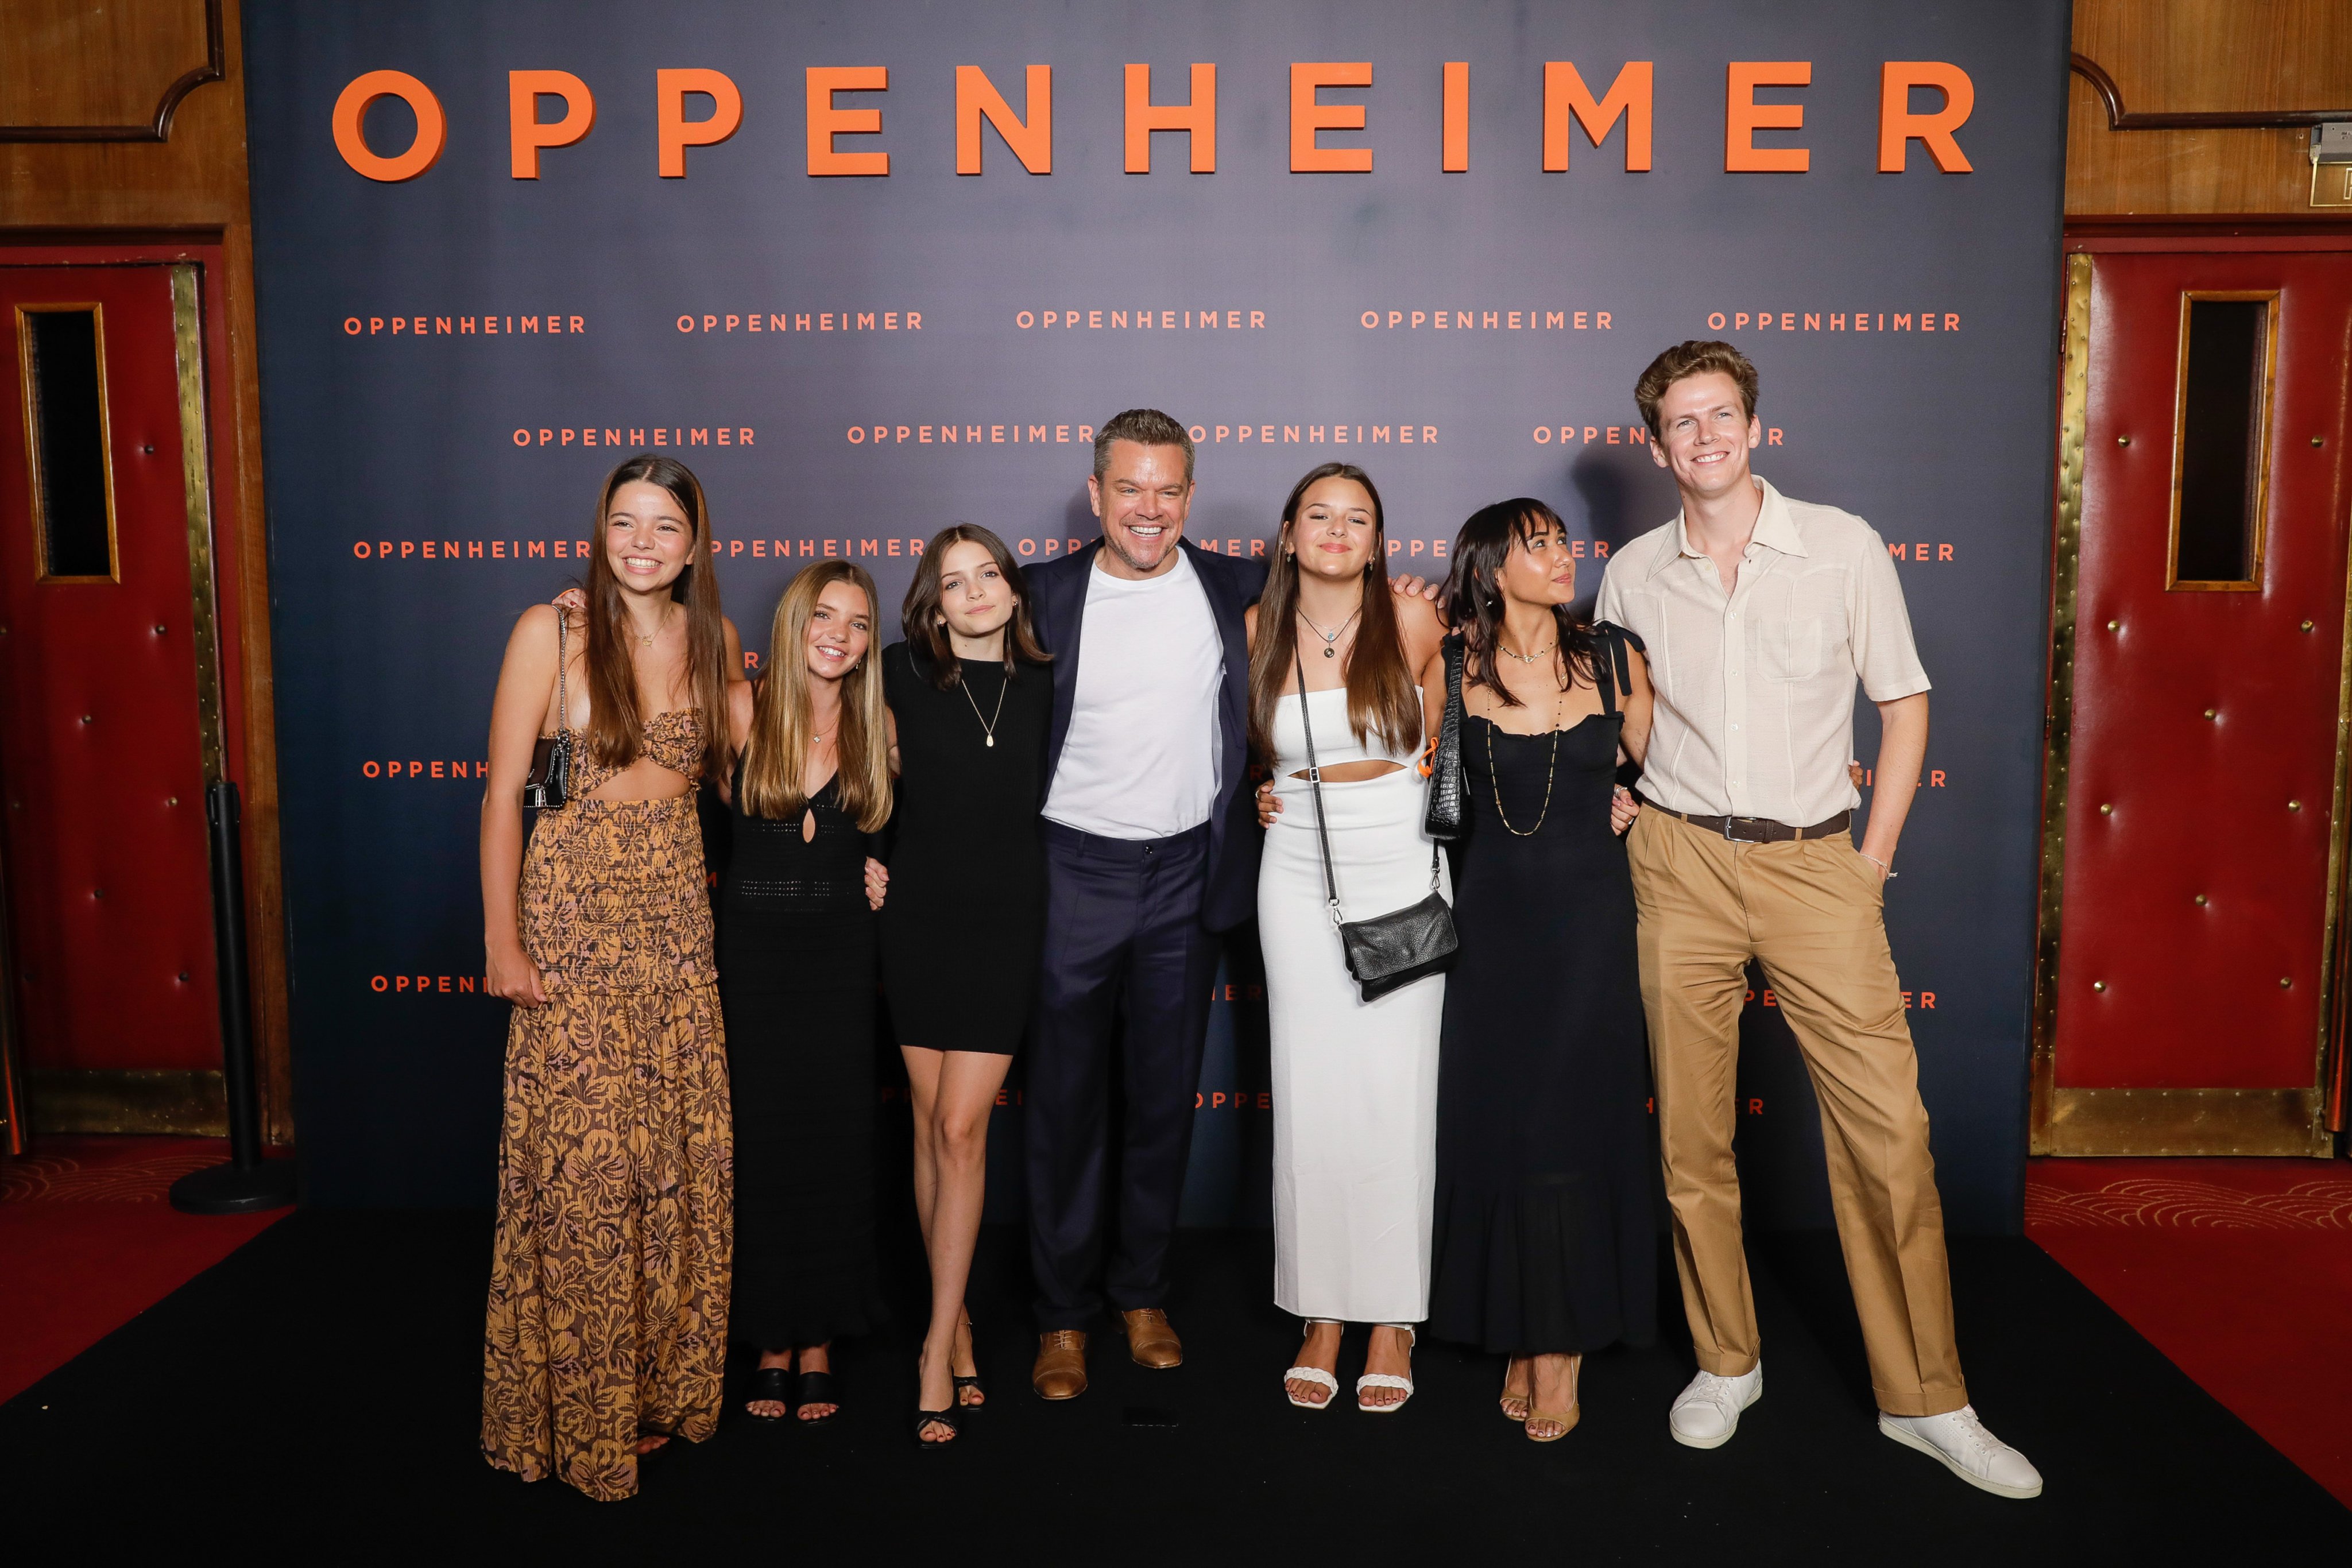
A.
x: 1391, y: 950
x: 550, y: 781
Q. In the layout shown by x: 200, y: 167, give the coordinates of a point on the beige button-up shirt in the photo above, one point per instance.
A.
x: 1754, y: 714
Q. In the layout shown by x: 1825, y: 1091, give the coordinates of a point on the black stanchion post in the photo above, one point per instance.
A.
x: 247, y: 1182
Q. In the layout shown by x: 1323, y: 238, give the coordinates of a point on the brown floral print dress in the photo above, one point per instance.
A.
x: 609, y: 1276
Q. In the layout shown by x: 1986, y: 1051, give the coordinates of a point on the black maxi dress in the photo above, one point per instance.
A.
x: 795, y: 954
x: 1544, y: 1239
x: 965, y: 919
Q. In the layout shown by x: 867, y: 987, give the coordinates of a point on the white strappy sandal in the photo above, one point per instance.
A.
x: 1385, y: 1380
x: 1314, y: 1375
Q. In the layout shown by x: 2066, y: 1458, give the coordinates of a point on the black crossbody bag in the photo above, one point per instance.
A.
x: 548, y: 783
x: 1391, y: 950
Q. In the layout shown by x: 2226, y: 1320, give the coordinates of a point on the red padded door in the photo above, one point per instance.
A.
x: 2197, y: 817
x: 108, y: 875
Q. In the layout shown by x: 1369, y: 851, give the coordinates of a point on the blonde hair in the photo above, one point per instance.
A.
x: 776, y: 754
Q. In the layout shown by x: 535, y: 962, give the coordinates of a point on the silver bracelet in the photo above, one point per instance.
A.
x: 1880, y: 864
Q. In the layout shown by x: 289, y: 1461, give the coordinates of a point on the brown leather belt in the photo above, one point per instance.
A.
x: 1753, y: 830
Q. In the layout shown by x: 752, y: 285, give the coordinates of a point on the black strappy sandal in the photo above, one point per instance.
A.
x: 947, y: 1418
x: 972, y: 1383
x: 771, y: 1382
x: 815, y: 1388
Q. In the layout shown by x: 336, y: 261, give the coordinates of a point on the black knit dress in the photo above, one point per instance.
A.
x: 966, y: 916
x: 1544, y: 1242
x: 796, y: 983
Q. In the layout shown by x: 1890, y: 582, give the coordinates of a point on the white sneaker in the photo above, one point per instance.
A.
x: 1706, y: 1413
x: 1967, y: 1451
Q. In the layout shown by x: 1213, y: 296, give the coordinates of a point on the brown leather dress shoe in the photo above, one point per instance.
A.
x: 1061, y: 1369
x: 1150, y: 1341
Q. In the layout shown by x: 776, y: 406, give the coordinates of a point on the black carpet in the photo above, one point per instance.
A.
x: 314, y: 1399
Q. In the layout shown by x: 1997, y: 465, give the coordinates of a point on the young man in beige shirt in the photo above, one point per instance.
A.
x: 1760, y: 614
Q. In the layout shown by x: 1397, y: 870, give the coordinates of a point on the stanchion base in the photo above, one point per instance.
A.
x: 225, y: 1189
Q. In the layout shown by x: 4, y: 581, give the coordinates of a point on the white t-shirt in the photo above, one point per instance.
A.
x: 1140, y: 757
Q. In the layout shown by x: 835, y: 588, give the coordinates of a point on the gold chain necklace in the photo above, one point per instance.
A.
x: 648, y: 642
x: 1525, y: 658
x: 1551, y: 771
x: 989, y: 724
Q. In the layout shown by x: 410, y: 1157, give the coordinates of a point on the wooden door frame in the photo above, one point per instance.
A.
x: 2123, y: 1121
x: 240, y: 589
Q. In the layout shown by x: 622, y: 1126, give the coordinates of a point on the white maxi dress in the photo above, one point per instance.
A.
x: 1355, y: 1082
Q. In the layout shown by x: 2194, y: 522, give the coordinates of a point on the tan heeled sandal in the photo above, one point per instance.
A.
x: 1516, y: 1417
x: 1567, y: 1418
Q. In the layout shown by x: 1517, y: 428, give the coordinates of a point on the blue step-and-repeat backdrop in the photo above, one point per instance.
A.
x: 878, y: 268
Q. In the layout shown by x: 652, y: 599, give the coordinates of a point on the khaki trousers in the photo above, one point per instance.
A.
x: 1812, y: 913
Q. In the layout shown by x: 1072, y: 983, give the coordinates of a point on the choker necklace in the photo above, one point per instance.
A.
x: 988, y: 725
x: 1331, y: 637
x: 1524, y: 658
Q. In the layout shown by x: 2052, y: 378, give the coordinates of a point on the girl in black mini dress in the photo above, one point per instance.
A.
x: 971, y: 699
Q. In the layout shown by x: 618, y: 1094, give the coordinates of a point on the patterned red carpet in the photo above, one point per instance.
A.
x: 88, y: 1241
x: 2239, y: 1271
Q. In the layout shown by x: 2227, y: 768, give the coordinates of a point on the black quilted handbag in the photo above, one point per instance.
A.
x: 1447, y: 785
x: 1391, y: 950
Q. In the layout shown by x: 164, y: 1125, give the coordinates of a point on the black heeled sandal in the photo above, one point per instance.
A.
x: 816, y: 1388
x: 770, y: 1382
x: 972, y: 1383
x: 947, y: 1418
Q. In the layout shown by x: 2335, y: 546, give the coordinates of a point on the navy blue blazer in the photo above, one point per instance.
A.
x: 1057, y: 607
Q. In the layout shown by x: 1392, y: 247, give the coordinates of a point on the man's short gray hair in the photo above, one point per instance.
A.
x: 1146, y: 426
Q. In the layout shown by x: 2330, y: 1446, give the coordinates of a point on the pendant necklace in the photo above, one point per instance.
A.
x: 657, y: 630
x: 987, y: 725
x: 1331, y: 637
x: 1524, y: 658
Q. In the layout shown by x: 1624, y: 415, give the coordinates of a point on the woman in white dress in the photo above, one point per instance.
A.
x: 1355, y: 1084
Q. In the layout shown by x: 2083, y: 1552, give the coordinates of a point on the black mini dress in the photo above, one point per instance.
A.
x: 965, y: 918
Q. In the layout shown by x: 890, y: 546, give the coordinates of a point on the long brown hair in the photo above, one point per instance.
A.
x: 1474, y: 596
x: 921, y: 618
x: 616, y: 727
x: 1381, y: 697
x: 776, y: 754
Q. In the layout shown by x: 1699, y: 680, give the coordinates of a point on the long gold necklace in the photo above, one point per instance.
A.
x: 1551, y: 771
x: 988, y: 724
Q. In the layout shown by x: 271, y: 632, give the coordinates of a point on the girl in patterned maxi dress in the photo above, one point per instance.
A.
x: 606, y: 1330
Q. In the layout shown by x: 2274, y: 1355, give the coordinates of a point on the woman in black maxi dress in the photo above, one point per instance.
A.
x: 796, y: 969
x: 796, y: 987
x: 971, y: 698
x: 1544, y: 1242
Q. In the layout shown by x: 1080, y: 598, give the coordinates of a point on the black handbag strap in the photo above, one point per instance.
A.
x: 1314, y: 783
x: 562, y: 666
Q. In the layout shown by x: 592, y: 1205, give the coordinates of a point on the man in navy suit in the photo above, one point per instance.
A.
x: 1151, y: 848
